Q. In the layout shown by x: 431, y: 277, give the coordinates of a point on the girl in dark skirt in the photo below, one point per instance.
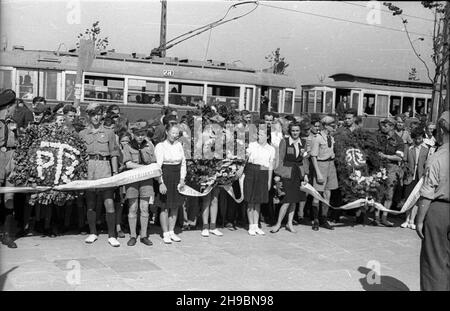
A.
x: 170, y: 157
x: 258, y: 176
x: 291, y: 154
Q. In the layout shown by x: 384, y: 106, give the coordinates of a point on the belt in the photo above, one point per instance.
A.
x: 99, y: 157
x: 441, y: 200
x: 327, y: 160
x: 4, y: 149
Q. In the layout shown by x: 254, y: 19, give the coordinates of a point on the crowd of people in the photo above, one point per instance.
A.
x: 293, y: 150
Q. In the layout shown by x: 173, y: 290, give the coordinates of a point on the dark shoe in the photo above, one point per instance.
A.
x: 275, y: 230
x: 8, y: 241
x: 120, y: 234
x: 23, y: 233
x: 131, y: 242
x: 315, y: 225
x: 146, y: 241
x: 325, y: 224
x: 376, y: 222
x: 386, y: 223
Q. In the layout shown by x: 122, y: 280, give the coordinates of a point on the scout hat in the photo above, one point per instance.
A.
x: 7, y: 97
x: 387, y: 121
x: 327, y: 120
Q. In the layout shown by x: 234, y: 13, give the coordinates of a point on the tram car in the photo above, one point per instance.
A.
x: 373, y: 98
x: 141, y: 85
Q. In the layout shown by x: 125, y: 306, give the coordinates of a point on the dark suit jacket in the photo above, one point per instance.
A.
x: 411, y: 163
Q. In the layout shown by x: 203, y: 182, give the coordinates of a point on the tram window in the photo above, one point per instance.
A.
x: 407, y: 107
x: 311, y: 99
x: 420, y: 107
x: 185, y: 94
x: 319, y: 101
x: 70, y: 87
x: 328, y: 102
x: 222, y: 94
x: 298, y: 105
x: 394, y: 105
x: 145, y: 92
x: 305, y: 101
x: 5, y: 80
x: 50, y: 84
x: 429, y: 107
x: 369, y: 104
x: 288, y: 96
x: 248, y: 99
x: 27, y: 83
x: 103, y: 88
x: 355, y: 101
x: 275, y: 99
x: 382, y: 105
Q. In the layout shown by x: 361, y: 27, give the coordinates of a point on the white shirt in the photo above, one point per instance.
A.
x: 171, y: 154
x: 263, y: 155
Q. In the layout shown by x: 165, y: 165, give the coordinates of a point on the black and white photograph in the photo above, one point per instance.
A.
x: 224, y: 151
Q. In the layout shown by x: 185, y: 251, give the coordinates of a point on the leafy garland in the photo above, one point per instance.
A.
x: 366, y: 180
x: 40, y: 160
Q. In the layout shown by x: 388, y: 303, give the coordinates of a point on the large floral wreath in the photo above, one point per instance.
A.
x: 49, y: 155
x: 361, y: 171
x: 223, y: 169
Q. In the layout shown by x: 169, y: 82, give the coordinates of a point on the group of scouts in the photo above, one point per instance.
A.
x: 295, y: 149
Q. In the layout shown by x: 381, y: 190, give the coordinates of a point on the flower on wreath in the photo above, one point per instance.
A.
x: 49, y: 155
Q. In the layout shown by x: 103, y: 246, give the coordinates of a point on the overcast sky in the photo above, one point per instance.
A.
x: 339, y: 40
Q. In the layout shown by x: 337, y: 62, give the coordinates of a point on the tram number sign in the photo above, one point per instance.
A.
x: 168, y: 73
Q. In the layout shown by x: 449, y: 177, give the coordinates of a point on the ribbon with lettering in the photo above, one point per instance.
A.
x: 124, y: 178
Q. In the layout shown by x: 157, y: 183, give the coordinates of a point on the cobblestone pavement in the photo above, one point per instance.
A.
x: 307, y: 260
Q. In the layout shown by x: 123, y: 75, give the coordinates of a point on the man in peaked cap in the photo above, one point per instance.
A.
x: 7, y: 147
x: 433, y: 216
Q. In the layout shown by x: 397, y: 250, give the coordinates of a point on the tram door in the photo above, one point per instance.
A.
x: 355, y: 98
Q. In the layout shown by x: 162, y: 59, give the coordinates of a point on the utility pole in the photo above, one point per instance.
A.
x: 447, y: 54
x: 163, y: 29
x: 86, y: 55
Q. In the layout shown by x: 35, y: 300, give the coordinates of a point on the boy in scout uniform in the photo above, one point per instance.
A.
x: 103, y: 151
x: 391, y: 150
x: 433, y: 217
x: 137, y: 153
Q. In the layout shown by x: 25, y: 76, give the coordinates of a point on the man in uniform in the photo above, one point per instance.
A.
x: 433, y: 217
x: 391, y: 151
x: 7, y: 146
x: 325, y: 177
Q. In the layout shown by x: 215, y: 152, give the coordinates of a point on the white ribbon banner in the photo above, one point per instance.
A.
x: 124, y: 178
x: 410, y: 202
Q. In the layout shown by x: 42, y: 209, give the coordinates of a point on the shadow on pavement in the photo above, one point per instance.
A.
x: 380, y: 283
x: 4, y: 276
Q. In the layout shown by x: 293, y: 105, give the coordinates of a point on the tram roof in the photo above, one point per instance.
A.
x: 370, y: 86
x: 124, y: 64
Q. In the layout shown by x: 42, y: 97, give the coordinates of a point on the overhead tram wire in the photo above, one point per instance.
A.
x: 210, y: 26
x: 387, y: 11
x: 344, y: 20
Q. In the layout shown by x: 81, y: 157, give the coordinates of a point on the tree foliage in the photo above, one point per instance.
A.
x: 93, y: 34
x: 278, y: 63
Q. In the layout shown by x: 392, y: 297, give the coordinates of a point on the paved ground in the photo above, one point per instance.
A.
x: 308, y: 260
